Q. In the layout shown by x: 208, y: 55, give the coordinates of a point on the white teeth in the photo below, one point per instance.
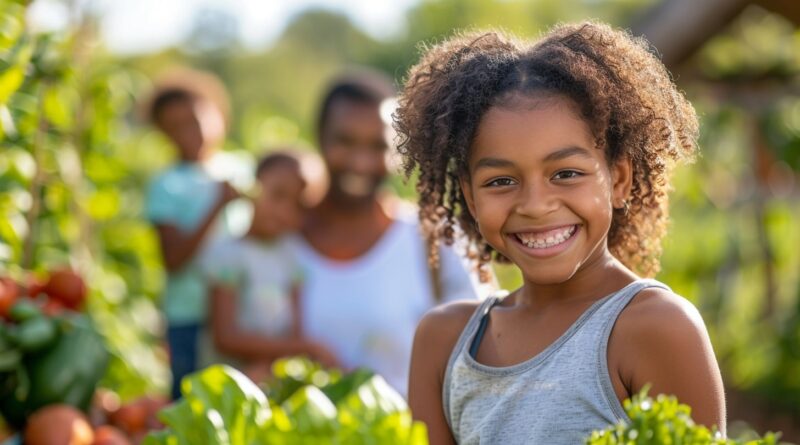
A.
x: 551, y: 240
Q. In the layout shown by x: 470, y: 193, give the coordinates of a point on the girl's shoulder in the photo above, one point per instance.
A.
x: 657, y: 308
x: 660, y: 341
x: 440, y: 328
x: 454, y: 313
x: 659, y: 320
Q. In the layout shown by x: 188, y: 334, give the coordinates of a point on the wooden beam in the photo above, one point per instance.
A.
x: 678, y: 28
x: 787, y: 8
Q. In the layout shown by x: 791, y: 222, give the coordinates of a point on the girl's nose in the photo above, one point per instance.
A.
x: 535, y: 201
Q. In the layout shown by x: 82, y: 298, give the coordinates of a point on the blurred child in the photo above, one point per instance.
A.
x: 255, y: 315
x: 185, y: 203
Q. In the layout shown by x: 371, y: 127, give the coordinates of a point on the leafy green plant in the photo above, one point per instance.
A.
x: 289, y: 375
x: 38, y: 364
x: 222, y: 406
x: 664, y: 421
x: 70, y: 187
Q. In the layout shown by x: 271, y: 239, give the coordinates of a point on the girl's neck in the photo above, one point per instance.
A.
x: 597, y: 278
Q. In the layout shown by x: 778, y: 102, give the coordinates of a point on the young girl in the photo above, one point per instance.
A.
x: 555, y: 156
x: 188, y: 204
x: 254, y: 309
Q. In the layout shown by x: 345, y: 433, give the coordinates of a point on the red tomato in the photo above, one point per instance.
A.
x: 52, y: 307
x: 9, y: 292
x: 66, y: 286
x: 35, y: 286
x: 108, y: 435
x: 131, y: 417
x: 58, y: 425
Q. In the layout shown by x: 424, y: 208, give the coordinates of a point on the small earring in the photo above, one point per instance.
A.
x: 626, y: 206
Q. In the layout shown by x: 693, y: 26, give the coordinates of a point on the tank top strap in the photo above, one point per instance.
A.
x: 609, y: 313
x: 610, y: 310
x: 464, y: 341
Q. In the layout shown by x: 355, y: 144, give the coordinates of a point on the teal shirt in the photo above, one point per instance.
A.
x: 182, y: 196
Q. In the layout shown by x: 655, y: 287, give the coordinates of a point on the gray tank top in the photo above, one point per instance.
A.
x: 557, y: 397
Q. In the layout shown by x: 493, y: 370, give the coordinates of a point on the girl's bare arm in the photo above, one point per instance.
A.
x: 434, y: 340
x: 661, y: 340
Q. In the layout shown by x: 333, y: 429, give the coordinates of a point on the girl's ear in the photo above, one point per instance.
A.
x: 466, y: 190
x: 622, y: 177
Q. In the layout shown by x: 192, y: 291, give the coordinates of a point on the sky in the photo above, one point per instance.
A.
x: 141, y: 26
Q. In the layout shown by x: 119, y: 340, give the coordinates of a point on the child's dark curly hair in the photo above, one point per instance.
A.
x: 623, y: 92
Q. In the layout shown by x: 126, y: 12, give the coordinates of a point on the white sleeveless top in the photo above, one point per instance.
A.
x: 367, y: 309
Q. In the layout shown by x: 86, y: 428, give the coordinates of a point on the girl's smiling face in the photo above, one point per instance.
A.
x: 541, y: 192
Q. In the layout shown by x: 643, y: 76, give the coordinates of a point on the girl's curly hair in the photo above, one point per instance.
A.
x: 623, y: 92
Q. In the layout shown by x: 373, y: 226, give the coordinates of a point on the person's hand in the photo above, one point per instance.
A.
x: 228, y: 192
x: 325, y: 357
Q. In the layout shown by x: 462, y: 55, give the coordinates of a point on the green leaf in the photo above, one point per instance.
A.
x: 10, y: 81
x: 12, y: 78
x: 292, y: 373
x: 662, y: 420
x: 183, y: 425
x: 59, y: 106
x: 222, y: 406
x: 161, y: 438
x: 311, y: 411
x: 371, y: 402
x: 219, y: 406
x: 9, y: 359
x: 7, y: 126
x: 340, y: 389
x: 103, y: 204
x: 11, y: 24
x: 13, y: 228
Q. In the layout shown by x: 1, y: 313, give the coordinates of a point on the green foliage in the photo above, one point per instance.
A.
x: 290, y: 375
x: 67, y: 193
x: 46, y: 360
x: 663, y: 421
x: 732, y: 245
x: 221, y: 406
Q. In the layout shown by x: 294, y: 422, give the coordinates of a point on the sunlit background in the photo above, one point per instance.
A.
x: 75, y: 194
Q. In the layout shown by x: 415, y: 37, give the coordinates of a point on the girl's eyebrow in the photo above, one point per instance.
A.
x: 493, y: 162
x: 557, y: 155
x: 566, y: 152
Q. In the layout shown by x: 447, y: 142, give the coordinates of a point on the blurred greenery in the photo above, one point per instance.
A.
x: 358, y: 408
x: 71, y: 181
x: 74, y: 162
x: 732, y: 248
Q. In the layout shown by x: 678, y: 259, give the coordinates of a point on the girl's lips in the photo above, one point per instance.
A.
x: 546, y: 250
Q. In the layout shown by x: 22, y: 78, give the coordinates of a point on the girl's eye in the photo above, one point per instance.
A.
x: 500, y: 182
x: 567, y: 174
